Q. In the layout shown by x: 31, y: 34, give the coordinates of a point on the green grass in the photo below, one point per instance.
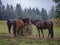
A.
x: 3, y: 27
x: 6, y: 39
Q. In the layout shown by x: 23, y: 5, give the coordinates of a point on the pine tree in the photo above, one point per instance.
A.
x: 37, y: 11
x: 44, y: 14
x: 57, y: 8
x: 52, y: 13
x: 19, y: 11
x: 29, y: 10
x: 1, y: 10
x: 0, y: 3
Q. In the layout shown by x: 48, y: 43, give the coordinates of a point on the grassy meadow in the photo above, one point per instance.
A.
x: 9, y: 39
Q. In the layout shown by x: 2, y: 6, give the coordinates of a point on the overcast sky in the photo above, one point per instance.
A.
x: 46, y: 4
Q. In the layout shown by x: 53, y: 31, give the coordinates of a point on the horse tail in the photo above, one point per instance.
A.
x: 52, y: 33
x: 14, y: 28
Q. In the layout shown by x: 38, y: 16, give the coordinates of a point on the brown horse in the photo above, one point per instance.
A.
x: 18, y: 26
x: 44, y: 25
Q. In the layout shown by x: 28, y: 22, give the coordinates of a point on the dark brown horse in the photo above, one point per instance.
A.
x: 44, y: 25
x: 9, y: 25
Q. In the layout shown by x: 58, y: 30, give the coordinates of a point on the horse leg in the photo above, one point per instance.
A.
x: 39, y: 32
x: 51, y: 33
x: 42, y: 33
x: 14, y: 28
x: 48, y: 33
x: 18, y: 30
x: 21, y: 31
x: 9, y: 28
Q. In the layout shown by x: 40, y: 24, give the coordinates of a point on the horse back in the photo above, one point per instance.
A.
x: 49, y: 23
x: 19, y: 23
x: 42, y: 24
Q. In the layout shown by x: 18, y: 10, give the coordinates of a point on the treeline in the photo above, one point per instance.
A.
x: 10, y: 12
x: 57, y: 8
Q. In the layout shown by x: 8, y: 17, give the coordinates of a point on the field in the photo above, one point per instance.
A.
x: 9, y: 39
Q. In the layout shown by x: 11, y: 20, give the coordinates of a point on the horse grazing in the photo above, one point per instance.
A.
x: 44, y: 25
x: 9, y: 25
x: 18, y: 26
